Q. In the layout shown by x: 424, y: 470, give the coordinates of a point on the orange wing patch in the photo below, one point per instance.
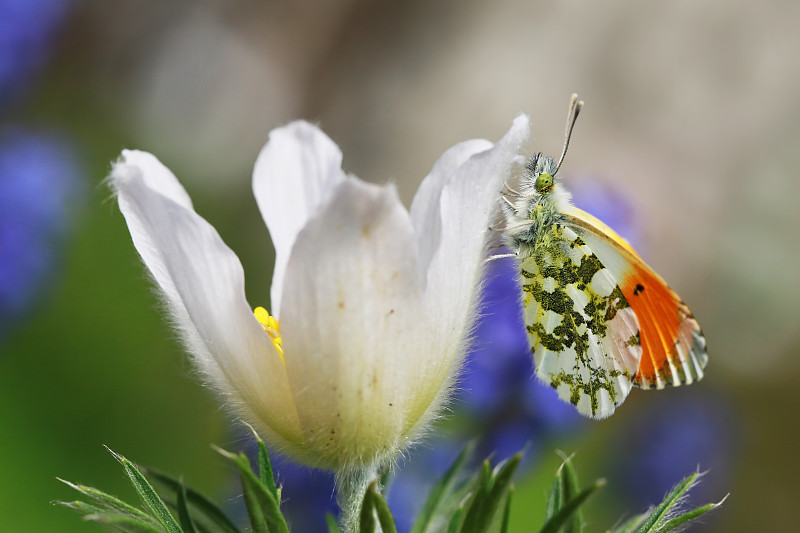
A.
x: 673, y: 345
x: 658, y: 309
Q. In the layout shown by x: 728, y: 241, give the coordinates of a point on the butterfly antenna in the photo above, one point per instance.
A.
x: 575, y: 106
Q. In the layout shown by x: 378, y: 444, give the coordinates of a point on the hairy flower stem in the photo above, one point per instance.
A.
x: 351, y: 484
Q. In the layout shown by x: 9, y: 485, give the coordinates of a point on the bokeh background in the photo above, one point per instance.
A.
x: 688, y: 145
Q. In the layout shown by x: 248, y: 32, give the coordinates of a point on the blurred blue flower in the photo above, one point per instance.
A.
x: 610, y: 204
x: 27, y: 30
x: 682, y: 431
x: 307, y: 495
x: 40, y: 184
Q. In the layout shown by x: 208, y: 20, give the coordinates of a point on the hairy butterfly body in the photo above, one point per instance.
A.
x: 599, y: 320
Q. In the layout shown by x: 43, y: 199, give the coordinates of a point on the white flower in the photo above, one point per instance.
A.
x: 375, y: 302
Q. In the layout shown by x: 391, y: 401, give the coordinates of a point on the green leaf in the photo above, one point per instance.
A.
x: 385, y: 517
x: 107, y: 502
x: 502, y: 478
x: 81, y: 507
x: 507, y: 511
x: 366, y: 520
x: 151, y: 500
x: 333, y: 527
x: 441, y: 490
x: 183, y: 512
x: 455, y: 520
x: 265, y: 473
x: 262, y: 506
x: 488, y: 497
x: 197, y: 500
x: 123, y: 523
x: 561, y: 517
x: 555, y: 499
x: 686, y: 517
x: 631, y: 525
x: 661, y: 512
x: 570, y: 485
x: 474, y: 510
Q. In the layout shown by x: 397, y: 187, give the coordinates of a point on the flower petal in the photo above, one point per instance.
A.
x: 425, y: 209
x: 467, y: 205
x: 295, y: 172
x: 203, y: 282
x: 157, y: 177
x: 350, y: 315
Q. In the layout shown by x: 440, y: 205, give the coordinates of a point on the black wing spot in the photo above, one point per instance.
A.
x: 638, y: 290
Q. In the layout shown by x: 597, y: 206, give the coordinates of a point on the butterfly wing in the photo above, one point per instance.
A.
x: 581, y: 328
x: 672, y: 343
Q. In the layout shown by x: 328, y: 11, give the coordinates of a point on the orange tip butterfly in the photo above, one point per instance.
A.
x: 599, y: 320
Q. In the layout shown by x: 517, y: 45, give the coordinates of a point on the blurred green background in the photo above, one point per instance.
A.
x: 691, y: 110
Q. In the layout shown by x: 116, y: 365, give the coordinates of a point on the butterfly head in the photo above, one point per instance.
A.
x: 544, y: 183
x: 539, y: 176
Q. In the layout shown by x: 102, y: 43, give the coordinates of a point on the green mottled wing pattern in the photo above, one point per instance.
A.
x: 584, y: 336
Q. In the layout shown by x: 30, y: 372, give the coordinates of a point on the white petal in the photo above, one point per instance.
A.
x: 155, y: 175
x: 466, y: 207
x: 352, y: 290
x: 295, y: 172
x: 425, y: 210
x: 468, y: 203
x: 203, y: 282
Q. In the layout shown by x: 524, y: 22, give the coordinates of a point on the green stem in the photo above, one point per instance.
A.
x: 351, y: 484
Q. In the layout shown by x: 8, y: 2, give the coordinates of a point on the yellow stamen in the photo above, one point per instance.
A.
x: 272, y: 327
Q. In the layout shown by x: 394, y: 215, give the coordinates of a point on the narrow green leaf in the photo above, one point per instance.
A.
x: 385, y: 518
x: 475, y: 509
x: 489, y: 496
x: 687, y: 517
x: 262, y: 507
x: 455, y: 521
x: 570, y: 506
x: 265, y: 473
x: 570, y: 485
x: 507, y: 510
x: 440, y: 491
x: 197, y: 500
x: 630, y: 525
x: 107, y: 502
x: 555, y: 500
x: 661, y: 511
x: 123, y: 523
x: 149, y: 497
x: 502, y: 478
x: 81, y: 507
x: 183, y: 512
x: 333, y: 526
x: 366, y: 520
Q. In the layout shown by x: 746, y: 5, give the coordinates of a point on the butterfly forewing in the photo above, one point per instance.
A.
x: 673, y: 346
x: 583, y: 333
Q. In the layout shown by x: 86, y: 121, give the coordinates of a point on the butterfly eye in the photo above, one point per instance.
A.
x: 544, y: 183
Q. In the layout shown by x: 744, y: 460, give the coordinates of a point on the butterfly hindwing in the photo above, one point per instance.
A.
x: 583, y: 333
x: 673, y: 345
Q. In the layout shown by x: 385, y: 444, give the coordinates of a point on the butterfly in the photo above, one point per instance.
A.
x: 599, y: 320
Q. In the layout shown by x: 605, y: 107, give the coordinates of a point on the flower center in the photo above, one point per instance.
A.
x: 272, y: 327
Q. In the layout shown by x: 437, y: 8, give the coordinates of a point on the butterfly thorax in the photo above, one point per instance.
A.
x: 537, y: 209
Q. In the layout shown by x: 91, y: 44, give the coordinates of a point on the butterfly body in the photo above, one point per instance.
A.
x: 599, y: 320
